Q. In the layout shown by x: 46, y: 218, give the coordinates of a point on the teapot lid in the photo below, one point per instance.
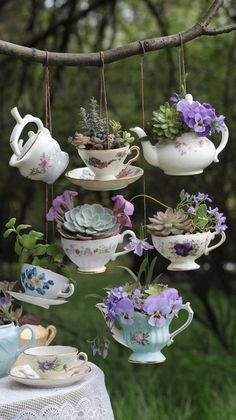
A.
x: 28, y: 144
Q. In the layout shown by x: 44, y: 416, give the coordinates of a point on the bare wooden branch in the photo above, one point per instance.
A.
x: 120, y: 53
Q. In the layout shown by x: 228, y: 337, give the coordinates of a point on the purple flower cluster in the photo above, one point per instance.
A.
x: 220, y: 222
x: 122, y: 209
x: 200, y: 118
x: 159, y: 307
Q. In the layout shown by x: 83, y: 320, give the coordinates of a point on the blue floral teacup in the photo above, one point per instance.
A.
x: 40, y: 282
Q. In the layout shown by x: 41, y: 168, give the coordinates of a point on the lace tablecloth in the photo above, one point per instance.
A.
x: 86, y: 400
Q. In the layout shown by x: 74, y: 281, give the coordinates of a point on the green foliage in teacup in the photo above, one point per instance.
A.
x: 31, y: 249
x: 98, y: 133
x: 9, y: 312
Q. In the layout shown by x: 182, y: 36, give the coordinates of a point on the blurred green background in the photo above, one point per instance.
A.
x: 198, y: 379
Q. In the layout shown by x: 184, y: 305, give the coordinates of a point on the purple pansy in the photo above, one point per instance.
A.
x: 198, y: 117
x: 60, y: 205
x: 113, y: 297
x: 157, y: 308
x: 174, y: 300
x: 183, y: 249
x: 138, y: 246
x: 125, y: 310
x: 122, y: 209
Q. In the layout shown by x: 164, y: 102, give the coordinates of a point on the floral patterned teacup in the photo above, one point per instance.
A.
x: 55, y: 362
x: 108, y: 164
x: 40, y: 282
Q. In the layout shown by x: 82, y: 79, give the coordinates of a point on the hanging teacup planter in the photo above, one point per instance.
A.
x: 40, y: 157
x: 184, y: 233
x: 144, y: 314
x: 91, y: 233
x: 182, y: 129
x: 103, y: 146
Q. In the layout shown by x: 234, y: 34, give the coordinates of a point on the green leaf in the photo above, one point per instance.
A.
x: 129, y: 271
x: 11, y: 223
x: 150, y: 271
x: 142, y: 269
x: 182, y: 195
x: 22, y: 227
x: 17, y: 248
x: 8, y: 232
x: 40, y: 250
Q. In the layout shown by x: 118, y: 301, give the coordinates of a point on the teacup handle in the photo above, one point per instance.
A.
x: 135, y: 157
x: 187, y: 308
x: 15, y: 143
x: 223, y: 142
x: 84, y: 357
x: 30, y: 342
x: 52, y: 331
x: 118, y: 254
x: 209, y: 249
x: 70, y: 292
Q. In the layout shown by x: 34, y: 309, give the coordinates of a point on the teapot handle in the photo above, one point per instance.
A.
x: 223, y: 142
x: 52, y: 331
x: 209, y: 249
x: 118, y: 254
x: 30, y: 342
x: 187, y: 308
x: 15, y: 143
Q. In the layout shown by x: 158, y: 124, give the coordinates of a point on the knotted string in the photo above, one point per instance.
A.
x: 143, y: 126
x: 48, y: 124
x: 182, y: 73
x: 103, y: 93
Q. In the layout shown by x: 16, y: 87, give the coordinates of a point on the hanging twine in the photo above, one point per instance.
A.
x: 182, y: 73
x: 103, y: 92
x: 48, y: 124
x: 143, y: 126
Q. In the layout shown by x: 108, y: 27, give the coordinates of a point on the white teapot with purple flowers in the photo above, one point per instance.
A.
x: 182, y: 129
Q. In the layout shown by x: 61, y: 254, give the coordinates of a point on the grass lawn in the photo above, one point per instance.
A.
x: 197, y: 382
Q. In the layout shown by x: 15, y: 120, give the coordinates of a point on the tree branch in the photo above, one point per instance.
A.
x: 116, y: 54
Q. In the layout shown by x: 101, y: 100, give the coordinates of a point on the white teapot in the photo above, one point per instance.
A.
x: 40, y: 157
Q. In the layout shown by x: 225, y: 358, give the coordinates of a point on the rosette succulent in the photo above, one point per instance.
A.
x: 89, y: 221
x: 170, y: 222
x: 167, y: 123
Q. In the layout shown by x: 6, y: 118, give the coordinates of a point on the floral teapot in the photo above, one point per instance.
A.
x: 40, y: 157
x: 188, y: 154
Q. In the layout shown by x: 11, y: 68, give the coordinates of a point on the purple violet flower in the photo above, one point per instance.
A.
x: 201, y: 197
x: 191, y: 210
x: 137, y: 299
x: 174, y: 300
x: 122, y: 210
x: 138, y: 246
x: 175, y: 98
x: 113, y: 297
x: 198, y: 117
x: 125, y: 310
x: 183, y: 249
x: 155, y: 306
x: 60, y: 205
x: 220, y: 225
x: 212, y: 211
x: 218, y: 124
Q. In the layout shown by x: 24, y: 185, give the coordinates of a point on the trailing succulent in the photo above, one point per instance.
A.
x: 96, y: 129
x: 167, y: 123
x: 89, y: 221
x: 170, y: 222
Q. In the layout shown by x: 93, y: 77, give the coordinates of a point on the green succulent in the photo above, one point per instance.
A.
x: 170, y: 222
x: 89, y: 221
x: 167, y: 123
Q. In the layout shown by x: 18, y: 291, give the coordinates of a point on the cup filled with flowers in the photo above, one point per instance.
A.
x: 182, y: 127
x: 139, y: 314
x: 103, y: 145
x: 182, y: 234
x: 90, y: 233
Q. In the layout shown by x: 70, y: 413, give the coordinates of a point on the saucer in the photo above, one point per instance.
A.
x: 85, y: 178
x: 25, y: 375
x: 43, y: 302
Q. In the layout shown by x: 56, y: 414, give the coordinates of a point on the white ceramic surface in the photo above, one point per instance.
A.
x: 40, y: 157
x: 191, y: 246
x: 92, y: 256
x: 54, y: 361
x: 85, y: 178
x: 23, y: 375
x: 108, y: 164
x: 44, y: 283
x: 38, y: 301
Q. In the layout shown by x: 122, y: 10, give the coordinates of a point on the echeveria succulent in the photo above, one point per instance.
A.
x: 170, y: 222
x: 90, y: 221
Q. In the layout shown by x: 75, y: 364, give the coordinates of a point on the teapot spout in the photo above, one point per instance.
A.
x: 150, y: 152
x: 115, y: 332
x: 139, y: 131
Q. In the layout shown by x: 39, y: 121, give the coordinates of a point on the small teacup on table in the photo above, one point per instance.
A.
x: 55, y: 362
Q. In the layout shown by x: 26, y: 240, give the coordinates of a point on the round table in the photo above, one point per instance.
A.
x: 86, y: 400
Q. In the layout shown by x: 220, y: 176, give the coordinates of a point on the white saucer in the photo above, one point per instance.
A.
x: 85, y: 178
x: 44, y: 303
x: 25, y: 375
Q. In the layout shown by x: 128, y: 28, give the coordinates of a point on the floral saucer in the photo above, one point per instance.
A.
x: 27, y: 376
x: 85, y: 178
x: 38, y: 301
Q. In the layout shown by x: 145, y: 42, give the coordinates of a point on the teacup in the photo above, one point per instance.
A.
x: 108, y: 164
x: 44, y: 283
x: 40, y: 158
x: 54, y: 361
x: 92, y: 256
